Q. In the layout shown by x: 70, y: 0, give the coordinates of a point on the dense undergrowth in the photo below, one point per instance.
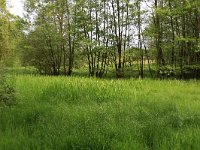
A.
x: 7, y: 92
x: 88, y: 113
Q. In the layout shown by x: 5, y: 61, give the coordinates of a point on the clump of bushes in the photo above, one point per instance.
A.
x: 191, y: 71
x: 166, y: 72
x: 186, y: 72
x: 7, y: 93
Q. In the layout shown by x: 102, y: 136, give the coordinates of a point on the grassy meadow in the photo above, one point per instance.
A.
x: 94, y: 114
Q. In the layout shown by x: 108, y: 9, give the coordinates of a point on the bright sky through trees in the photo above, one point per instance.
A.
x: 16, y: 7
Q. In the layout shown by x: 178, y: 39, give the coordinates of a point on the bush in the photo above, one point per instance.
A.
x: 191, y: 71
x: 166, y: 72
x: 7, y: 93
x: 187, y: 72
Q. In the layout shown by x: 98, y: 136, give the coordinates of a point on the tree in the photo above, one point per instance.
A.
x: 4, y: 30
x: 54, y: 22
x: 11, y: 31
x: 112, y: 34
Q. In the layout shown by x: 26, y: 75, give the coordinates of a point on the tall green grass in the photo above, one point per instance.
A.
x: 88, y: 113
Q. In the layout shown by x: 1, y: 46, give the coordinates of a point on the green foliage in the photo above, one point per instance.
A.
x: 174, y: 34
x: 7, y: 93
x: 191, y: 71
x: 106, y: 33
x: 187, y: 72
x: 11, y: 31
x: 4, y: 30
x: 88, y: 113
x: 166, y: 72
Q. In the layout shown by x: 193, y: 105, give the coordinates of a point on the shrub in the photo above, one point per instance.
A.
x: 7, y: 93
x: 166, y: 72
x: 191, y: 71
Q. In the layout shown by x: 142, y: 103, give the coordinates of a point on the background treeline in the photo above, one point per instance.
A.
x: 156, y: 38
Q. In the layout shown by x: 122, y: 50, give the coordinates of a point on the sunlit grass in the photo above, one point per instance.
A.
x: 89, y: 113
